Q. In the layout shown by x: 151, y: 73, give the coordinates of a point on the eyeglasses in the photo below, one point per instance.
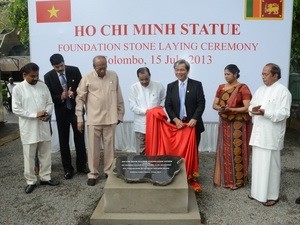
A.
x: 266, y: 74
x: 99, y: 68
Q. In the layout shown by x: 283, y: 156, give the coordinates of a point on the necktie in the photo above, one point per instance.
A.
x: 182, y: 100
x: 63, y: 82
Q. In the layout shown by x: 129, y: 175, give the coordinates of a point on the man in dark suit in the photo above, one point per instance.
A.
x: 194, y: 100
x: 62, y: 82
x: 185, y: 103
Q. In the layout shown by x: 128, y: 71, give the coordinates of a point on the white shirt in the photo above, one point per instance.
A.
x: 143, y: 98
x: 10, y: 88
x: 268, y: 130
x: 27, y: 101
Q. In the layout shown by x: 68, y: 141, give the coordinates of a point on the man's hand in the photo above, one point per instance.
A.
x: 256, y: 110
x: 179, y: 124
x: 64, y: 94
x: 192, y: 123
x: 80, y: 126
x: 70, y: 93
x: 43, y: 115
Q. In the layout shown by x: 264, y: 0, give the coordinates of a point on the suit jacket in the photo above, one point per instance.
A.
x: 73, y: 77
x: 194, y: 102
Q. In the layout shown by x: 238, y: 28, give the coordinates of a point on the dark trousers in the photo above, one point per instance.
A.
x: 65, y: 118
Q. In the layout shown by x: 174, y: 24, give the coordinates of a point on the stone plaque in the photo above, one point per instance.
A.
x: 159, y: 170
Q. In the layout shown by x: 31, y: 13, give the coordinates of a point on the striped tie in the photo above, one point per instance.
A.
x: 63, y: 82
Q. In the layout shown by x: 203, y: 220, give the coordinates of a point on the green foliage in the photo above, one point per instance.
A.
x: 295, y: 42
x: 5, y: 23
x: 18, y: 15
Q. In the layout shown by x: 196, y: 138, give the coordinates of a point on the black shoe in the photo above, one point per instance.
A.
x: 29, y: 188
x: 68, y: 175
x: 85, y: 171
x: 298, y: 200
x: 91, y: 182
x: 50, y: 183
x: 106, y: 175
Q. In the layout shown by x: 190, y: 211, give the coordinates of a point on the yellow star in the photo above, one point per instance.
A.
x: 53, y: 12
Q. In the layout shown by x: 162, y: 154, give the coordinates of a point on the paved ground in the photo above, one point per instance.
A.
x: 73, y: 202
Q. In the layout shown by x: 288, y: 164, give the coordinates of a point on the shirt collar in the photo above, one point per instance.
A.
x: 185, y: 82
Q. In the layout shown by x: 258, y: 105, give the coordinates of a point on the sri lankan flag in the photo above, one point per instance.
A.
x: 264, y: 9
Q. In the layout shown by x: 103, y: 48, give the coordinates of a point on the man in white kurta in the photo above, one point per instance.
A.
x: 270, y: 108
x: 144, y: 95
x: 32, y: 103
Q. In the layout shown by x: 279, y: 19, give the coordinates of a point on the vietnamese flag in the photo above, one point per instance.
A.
x: 53, y: 11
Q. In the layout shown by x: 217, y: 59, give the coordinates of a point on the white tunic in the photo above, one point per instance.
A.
x: 27, y: 101
x: 143, y: 98
x: 268, y: 130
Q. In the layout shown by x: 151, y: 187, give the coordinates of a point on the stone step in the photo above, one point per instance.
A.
x: 122, y: 197
x: 192, y: 217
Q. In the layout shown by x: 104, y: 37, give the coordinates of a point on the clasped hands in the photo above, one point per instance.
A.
x: 256, y: 110
x: 43, y: 115
x: 67, y: 93
x: 224, y: 109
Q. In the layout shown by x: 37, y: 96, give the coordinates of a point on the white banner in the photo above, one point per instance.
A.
x: 209, y: 34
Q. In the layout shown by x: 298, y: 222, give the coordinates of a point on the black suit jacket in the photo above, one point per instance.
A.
x: 66, y: 117
x: 194, y: 102
x: 73, y: 76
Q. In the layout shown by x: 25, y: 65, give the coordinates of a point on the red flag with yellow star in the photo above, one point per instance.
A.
x: 53, y: 11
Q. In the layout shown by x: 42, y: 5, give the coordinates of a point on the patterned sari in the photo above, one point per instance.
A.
x: 233, y: 150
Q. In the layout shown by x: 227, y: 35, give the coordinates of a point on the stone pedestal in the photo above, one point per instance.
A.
x: 146, y: 204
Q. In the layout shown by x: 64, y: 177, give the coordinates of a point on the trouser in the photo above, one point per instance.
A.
x: 97, y: 135
x: 140, y: 143
x: 65, y: 118
x: 43, y: 150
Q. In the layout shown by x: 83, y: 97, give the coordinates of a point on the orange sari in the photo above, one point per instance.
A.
x: 233, y: 150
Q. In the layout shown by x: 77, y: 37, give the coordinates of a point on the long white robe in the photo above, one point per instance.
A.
x: 267, y: 139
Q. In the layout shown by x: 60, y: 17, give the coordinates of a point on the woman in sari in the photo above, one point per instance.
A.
x: 232, y: 157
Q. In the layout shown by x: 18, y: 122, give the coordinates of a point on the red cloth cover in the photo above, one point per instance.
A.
x: 164, y: 138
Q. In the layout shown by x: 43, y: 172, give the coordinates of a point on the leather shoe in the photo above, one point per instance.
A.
x: 68, y: 175
x: 50, y: 183
x: 29, y: 188
x: 85, y: 171
x: 91, y: 182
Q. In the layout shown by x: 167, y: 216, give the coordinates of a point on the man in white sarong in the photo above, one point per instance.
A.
x: 270, y: 108
x: 144, y: 95
x: 32, y: 103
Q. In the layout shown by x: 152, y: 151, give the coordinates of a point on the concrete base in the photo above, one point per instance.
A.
x: 192, y: 217
x: 145, y: 204
x: 122, y: 197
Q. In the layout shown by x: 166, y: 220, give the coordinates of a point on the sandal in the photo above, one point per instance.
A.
x: 250, y: 197
x: 234, y: 188
x: 270, y: 202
